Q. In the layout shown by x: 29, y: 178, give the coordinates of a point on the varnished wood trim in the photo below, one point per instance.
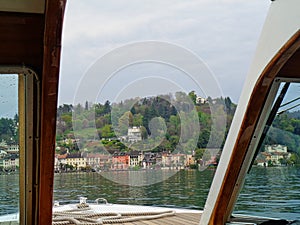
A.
x: 21, y: 40
x: 28, y: 6
x: 222, y: 209
x: 21, y: 112
x: 50, y: 78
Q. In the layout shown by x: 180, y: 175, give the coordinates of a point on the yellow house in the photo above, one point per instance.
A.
x: 76, y: 160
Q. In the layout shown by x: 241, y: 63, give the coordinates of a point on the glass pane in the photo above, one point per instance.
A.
x: 273, y: 183
x: 9, y: 147
x: 146, y: 128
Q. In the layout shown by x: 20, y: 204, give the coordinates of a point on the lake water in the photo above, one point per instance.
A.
x: 272, y: 192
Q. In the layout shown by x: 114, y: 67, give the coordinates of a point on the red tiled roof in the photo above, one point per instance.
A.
x: 62, y: 156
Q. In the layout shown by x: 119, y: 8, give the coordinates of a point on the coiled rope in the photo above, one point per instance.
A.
x: 84, y: 215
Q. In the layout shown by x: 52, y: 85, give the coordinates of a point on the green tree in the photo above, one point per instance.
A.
x: 124, y: 122
x: 107, y: 132
x: 193, y: 96
x: 199, y: 153
x: 294, y: 159
x: 137, y: 120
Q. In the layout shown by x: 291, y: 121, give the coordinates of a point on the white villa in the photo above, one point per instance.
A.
x: 134, y: 134
x: 274, y: 153
x: 9, y: 163
x: 276, y: 148
x: 200, y: 100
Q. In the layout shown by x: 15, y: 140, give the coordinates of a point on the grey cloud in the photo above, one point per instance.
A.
x: 223, y: 33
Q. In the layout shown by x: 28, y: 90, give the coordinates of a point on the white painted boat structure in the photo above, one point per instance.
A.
x: 282, y: 23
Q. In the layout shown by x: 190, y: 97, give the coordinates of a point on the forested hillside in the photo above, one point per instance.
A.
x: 111, y: 121
x: 9, y: 130
x: 285, y: 130
x: 171, y: 117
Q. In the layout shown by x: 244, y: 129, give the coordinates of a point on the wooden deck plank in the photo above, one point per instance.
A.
x: 177, y: 219
x: 194, y: 216
x: 188, y: 219
x: 145, y: 222
x: 185, y: 219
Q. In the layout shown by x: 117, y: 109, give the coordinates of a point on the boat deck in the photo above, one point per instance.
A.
x: 168, y: 216
x: 177, y: 219
x: 192, y: 219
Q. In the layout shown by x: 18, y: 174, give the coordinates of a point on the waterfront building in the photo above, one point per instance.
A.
x: 276, y: 148
x: 120, y: 161
x: 178, y: 161
x: 149, y: 160
x: 190, y: 160
x: 60, y: 162
x: 2, y: 153
x: 11, y: 149
x: 98, y: 161
x: 9, y: 162
x: 135, y: 158
x: 76, y: 161
x: 275, y: 155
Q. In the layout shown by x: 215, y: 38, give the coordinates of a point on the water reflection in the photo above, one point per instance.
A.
x: 187, y: 189
x: 272, y: 192
x: 9, y: 197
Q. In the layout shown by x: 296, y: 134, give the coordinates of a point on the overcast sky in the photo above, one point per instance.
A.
x: 223, y: 33
x: 8, y: 95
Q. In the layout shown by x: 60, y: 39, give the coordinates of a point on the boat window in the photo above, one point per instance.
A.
x: 147, y: 121
x: 16, y: 144
x: 272, y: 183
x: 9, y: 145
